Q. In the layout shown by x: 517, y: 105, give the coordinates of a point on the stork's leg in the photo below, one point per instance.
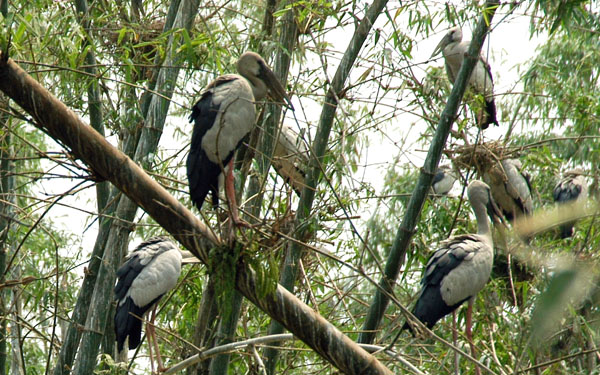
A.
x: 161, y: 367
x: 469, y: 334
x: 153, y: 344
x: 230, y: 193
x: 455, y: 343
x: 148, y: 336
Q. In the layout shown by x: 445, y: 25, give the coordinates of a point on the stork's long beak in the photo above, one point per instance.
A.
x: 276, y: 90
x: 441, y: 45
x: 188, y: 257
x: 495, y: 213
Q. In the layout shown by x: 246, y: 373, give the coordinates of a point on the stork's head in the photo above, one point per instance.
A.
x: 251, y: 66
x: 575, y: 172
x: 480, y: 197
x: 454, y: 35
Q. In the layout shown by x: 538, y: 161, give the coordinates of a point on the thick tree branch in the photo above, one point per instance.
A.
x: 62, y: 124
x: 415, y: 205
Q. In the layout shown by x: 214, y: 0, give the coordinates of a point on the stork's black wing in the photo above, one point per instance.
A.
x: 203, y: 174
x: 430, y: 306
x: 566, y: 191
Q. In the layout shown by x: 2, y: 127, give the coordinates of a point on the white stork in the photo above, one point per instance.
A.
x: 149, y: 271
x: 481, y: 82
x: 511, y: 188
x: 461, y: 265
x: 444, y: 180
x: 223, y: 117
x: 572, y: 187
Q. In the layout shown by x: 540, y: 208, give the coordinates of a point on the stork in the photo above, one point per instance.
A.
x: 460, y: 267
x: 290, y: 158
x: 444, y: 180
x: 149, y: 271
x: 572, y: 187
x: 223, y: 117
x: 511, y: 188
x: 454, y: 49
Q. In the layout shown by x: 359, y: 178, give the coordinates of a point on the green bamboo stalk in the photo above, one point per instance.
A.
x: 7, y: 185
x: 413, y: 210
x: 4, y: 184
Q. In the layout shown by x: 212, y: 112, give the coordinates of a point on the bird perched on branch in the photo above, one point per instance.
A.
x: 444, y: 180
x: 149, y: 271
x: 223, y: 117
x: 454, y: 49
x: 290, y: 158
x: 511, y: 188
x: 461, y: 265
x: 572, y: 187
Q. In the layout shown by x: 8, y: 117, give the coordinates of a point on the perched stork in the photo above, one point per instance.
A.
x: 453, y: 49
x: 223, y: 117
x: 511, y: 188
x: 149, y: 271
x: 461, y: 265
x: 444, y: 180
x: 572, y: 187
x: 290, y: 158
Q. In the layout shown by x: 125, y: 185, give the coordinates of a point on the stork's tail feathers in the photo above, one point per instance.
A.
x: 122, y: 355
x: 489, y: 115
x: 127, y: 326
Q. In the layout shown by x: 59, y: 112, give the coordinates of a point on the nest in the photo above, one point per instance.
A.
x: 482, y: 157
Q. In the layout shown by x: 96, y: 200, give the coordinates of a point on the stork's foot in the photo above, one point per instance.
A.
x: 240, y: 223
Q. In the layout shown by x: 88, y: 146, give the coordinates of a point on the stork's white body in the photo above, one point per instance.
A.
x: 481, y: 78
x: 471, y: 274
x: 510, y: 188
x: 235, y: 117
x: 453, y: 49
x: 159, y: 275
x: 444, y: 180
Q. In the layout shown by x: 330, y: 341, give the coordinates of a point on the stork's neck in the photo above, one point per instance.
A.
x: 259, y: 89
x: 483, y: 225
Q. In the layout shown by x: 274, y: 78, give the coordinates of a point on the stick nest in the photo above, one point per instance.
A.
x: 482, y: 157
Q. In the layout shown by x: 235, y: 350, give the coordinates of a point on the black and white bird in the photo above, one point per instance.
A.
x: 223, y: 117
x: 461, y: 265
x: 444, y: 180
x: 571, y: 188
x: 511, y: 188
x: 453, y: 49
x: 149, y: 271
